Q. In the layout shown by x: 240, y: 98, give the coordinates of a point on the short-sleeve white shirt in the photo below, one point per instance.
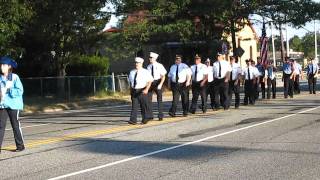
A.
x: 225, y: 68
x: 143, y: 78
x: 158, y: 70
x: 202, y: 71
x: 183, y: 71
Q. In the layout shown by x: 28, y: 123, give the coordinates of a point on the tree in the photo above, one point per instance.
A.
x: 13, y: 15
x: 60, y: 29
x: 296, y: 43
x: 192, y: 20
x: 308, y: 45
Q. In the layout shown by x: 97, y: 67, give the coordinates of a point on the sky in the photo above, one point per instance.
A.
x: 309, y: 27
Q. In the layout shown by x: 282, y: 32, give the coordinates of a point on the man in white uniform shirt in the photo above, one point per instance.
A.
x: 210, y: 85
x: 270, y: 74
x: 140, y: 82
x: 221, y: 74
x: 199, y: 83
x: 179, y: 78
x: 249, y: 75
x: 158, y: 73
x: 297, y: 75
x: 234, y: 83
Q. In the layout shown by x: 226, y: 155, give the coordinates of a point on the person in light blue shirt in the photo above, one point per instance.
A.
x: 312, y: 72
x: 288, y: 74
x: 11, y: 101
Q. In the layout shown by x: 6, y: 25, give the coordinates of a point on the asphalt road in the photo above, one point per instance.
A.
x: 275, y: 139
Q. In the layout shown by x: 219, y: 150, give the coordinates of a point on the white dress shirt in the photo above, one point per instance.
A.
x: 183, y: 72
x: 236, y: 71
x: 210, y: 73
x: 297, y: 68
x: 142, y: 79
x: 202, y: 71
x: 158, y: 70
x: 254, y: 72
x: 269, y: 73
x: 225, y: 68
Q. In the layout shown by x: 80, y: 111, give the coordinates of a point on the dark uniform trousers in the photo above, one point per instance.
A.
x: 221, y: 86
x: 210, y: 91
x: 288, y: 85
x: 249, y: 93
x: 16, y: 127
x: 236, y: 90
x: 196, y: 91
x: 180, y: 89
x: 271, y: 83
x: 312, y: 82
x: 296, y: 84
x: 154, y: 89
x: 138, y: 98
x: 262, y: 88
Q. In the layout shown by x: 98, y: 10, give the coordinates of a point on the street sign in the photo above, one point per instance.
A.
x: 239, y: 52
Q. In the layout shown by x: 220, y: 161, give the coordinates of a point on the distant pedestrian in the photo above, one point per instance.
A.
x: 199, y: 84
x: 270, y: 74
x: 158, y: 73
x: 312, y: 73
x: 210, y: 86
x: 221, y: 69
x: 234, y: 83
x: 249, y: 76
x: 261, y: 86
x: 11, y: 101
x: 288, y: 74
x: 298, y: 75
x: 140, y: 82
x: 179, y: 78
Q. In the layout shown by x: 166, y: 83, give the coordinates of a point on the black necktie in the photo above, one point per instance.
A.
x: 177, y: 73
x: 152, y: 72
x: 312, y: 69
x: 231, y: 74
x: 195, y: 74
x: 135, y: 80
x: 219, y: 69
x: 249, y: 74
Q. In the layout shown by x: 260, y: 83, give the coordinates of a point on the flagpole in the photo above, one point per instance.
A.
x: 315, y: 41
x: 287, y: 41
x: 273, y: 49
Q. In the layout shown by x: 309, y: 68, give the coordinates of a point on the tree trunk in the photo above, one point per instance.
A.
x: 281, y: 41
x: 61, y: 81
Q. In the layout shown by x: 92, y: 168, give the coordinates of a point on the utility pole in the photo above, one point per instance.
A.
x: 315, y: 41
x: 287, y: 42
x: 273, y: 48
x: 282, y: 45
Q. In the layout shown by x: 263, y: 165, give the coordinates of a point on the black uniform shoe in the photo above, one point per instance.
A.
x: 131, y: 122
x: 19, y: 149
x: 145, y: 121
x: 172, y: 114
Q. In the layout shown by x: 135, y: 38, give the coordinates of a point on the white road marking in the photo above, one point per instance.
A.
x: 29, y: 126
x: 178, y: 146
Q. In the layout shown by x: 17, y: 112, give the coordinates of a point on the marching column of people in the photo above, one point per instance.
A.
x: 220, y: 80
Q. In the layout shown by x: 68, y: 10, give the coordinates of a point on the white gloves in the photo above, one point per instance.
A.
x: 159, y: 87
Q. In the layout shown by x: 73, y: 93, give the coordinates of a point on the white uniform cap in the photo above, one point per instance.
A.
x: 231, y: 54
x: 154, y: 55
x: 208, y: 60
x: 138, y: 60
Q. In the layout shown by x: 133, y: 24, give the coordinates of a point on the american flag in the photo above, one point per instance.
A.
x: 264, y: 45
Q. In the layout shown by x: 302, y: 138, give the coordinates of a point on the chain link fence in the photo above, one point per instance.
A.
x: 74, y: 86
